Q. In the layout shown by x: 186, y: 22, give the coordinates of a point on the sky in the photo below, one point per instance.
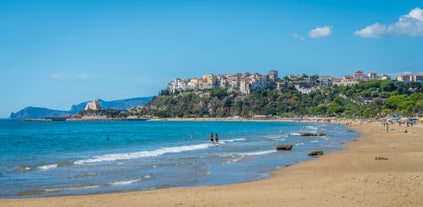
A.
x: 57, y: 53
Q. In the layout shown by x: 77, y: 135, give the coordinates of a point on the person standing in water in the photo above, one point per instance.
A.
x: 216, y: 139
x: 211, y: 138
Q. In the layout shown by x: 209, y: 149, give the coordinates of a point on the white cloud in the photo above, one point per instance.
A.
x: 297, y: 36
x: 410, y: 24
x: 324, y: 31
x: 373, y: 31
x: 416, y: 13
x: 62, y: 76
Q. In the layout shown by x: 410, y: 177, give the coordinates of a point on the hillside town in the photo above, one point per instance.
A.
x: 244, y: 83
x: 249, y: 82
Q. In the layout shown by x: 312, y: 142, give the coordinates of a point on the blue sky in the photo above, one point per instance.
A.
x: 57, y: 53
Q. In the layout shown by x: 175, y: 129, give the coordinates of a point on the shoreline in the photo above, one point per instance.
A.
x: 229, y: 119
x: 350, y: 177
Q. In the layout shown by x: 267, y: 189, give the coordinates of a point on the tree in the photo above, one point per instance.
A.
x: 418, y: 107
x: 220, y: 93
x: 394, y: 102
x: 314, y: 78
x: 335, y: 108
x: 320, y: 110
x: 387, y: 85
x: 399, y: 103
x: 164, y: 92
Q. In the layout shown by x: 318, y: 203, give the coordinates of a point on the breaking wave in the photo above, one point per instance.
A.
x: 141, y: 154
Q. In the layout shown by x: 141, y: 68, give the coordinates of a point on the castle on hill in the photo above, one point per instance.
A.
x: 93, y: 105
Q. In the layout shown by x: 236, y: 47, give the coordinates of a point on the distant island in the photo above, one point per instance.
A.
x: 41, y: 113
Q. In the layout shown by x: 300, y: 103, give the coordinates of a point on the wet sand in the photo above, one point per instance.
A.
x: 379, y: 169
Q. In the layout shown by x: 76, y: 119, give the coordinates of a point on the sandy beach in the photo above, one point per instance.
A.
x: 379, y: 169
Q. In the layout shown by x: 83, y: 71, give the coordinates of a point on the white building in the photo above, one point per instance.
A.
x: 360, y: 76
x: 372, y: 75
x: 418, y: 78
x: 384, y: 77
x: 405, y: 78
x: 245, y: 83
x: 347, y: 80
x: 326, y: 80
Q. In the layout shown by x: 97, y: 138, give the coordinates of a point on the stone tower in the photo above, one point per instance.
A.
x: 273, y: 76
x: 93, y: 105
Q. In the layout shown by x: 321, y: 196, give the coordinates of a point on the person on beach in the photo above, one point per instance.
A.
x: 211, y: 138
x: 216, y: 139
x: 387, y: 127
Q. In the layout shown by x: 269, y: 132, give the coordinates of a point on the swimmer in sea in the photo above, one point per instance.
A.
x: 211, y: 138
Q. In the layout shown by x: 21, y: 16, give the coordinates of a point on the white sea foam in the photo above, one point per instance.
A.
x: 232, y: 158
x: 47, y: 167
x: 301, y: 143
x: 295, y: 134
x: 23, y: 168
x: 314, y: 141
x: 255, y: 153
x: 231, y: 140
x: 73, y: 188
x: 260, y: 152
x: 273, y: 136
x: 241, y: 155
x: 125, y: 182
x: 234, y: 140
x: 128, y: 182
x: 311, y: 127
x: 141, y: 154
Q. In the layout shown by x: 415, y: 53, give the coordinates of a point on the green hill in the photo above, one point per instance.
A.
x: 367, y: 99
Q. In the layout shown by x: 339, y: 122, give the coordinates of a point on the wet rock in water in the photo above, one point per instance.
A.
x: 322, y: 134
x: 284, y: 147
x: 308, y: 134
x: 380, y: 158
x: 315, y: 153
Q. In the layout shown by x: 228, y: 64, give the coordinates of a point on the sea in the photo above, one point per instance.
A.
x: 40, y: 159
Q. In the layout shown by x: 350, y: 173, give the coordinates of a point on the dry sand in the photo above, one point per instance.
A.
x: 346, y: 178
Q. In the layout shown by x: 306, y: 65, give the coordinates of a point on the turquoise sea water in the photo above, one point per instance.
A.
x: 68, y: 158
